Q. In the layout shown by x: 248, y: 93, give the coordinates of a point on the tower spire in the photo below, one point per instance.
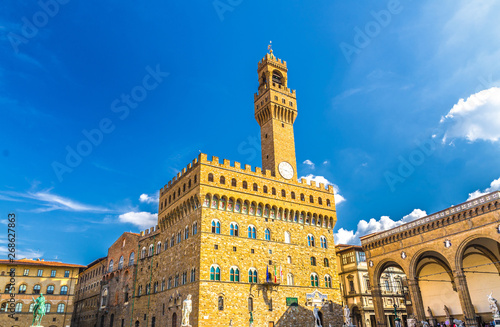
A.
x: 275, y: 111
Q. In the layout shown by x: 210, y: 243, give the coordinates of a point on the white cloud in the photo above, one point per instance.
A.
x: 494, y: 186
x: 140, y: 219
x: 309, y: 163
x: 326, y: 162
x: 52, y: 202
x: 343, y: 236
x: 320, y: 179
x: 477, y: 118
x: 146, y: 198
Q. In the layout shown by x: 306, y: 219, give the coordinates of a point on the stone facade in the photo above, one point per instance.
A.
x: 245, y: 243
x: 88, y: 293
x: 356, y: 288
x: 55, y: 280
x: 451, y: 260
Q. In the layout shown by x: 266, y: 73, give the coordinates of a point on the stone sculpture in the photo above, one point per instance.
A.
x: 317, y: 321
x: 187, y: 307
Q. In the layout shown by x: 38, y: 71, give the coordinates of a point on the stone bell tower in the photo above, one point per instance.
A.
x: 275, y: 111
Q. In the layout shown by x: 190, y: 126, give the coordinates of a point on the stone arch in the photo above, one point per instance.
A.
x: 466, y: 243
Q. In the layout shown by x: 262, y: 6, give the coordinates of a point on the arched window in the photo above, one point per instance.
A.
x: 264, y: 189
x: 155, y: 287
x: 320, y: 201
x: 143, y: 253
x: 328, y: 281
x: 310, y: 240
x: 120, y: 263
x: 314, y: 279
x: 273, y: 191
x: 47, y: 307
x: 292, y: 195
x: 179, y: 237
x: 215, y: 226
x: 64, y: 290
x: 234, y: 274
x: 268, y: 234
x: 313, y: 261
x: 195, y: 228
x: 158, y: 247
x: 186, y: 232
x: 50, y: 289
x: 131, y: 258
x: 22, y: 289
x: 19, y: 307
x: 148, y: 289
x: 250, y: 304
x: 328, y: 204
x: 189, y: 184
x: 311, y: 199
x: 222, y: 180
x: 245, y: 185
x: 60, y: 308
x: 302, y: 197
x: 234, y: 229
x: 289, y: 259
x: 151, y: 250
x: 110, y: 268
x: 252, y: 232
x: 29, y: 310
x: 289, y: 279
x: 322, y: 241
x: 327, y: 264
x: 255, y: 187
x: 287, y: 237
x: 252, y: 275
x: 210, y: 177
x: 233, y: 182
x: 283, y: 193
x: 215, y: 273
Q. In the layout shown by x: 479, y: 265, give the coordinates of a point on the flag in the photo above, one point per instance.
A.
x: 267, y: 274
x: 275, y: 275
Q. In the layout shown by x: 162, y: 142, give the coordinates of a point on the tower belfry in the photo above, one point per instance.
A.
x: 275, y: 111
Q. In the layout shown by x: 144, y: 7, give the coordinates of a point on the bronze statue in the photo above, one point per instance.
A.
x: 38, y: 310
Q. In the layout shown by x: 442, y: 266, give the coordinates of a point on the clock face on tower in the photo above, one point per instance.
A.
x: 286, y: 170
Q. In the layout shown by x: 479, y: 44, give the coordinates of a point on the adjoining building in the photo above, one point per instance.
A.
x: 55, y: 280
x: 451, y: 260
x: 249, y: 245
x: 356, y: 288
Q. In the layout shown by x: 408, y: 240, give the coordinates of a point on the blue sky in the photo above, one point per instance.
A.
x: 398, y: 102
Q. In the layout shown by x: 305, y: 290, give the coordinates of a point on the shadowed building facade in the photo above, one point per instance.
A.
x: 247, y: 244
x: 451, y: 260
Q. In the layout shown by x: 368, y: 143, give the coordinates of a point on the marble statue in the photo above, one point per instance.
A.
x: 459, y: 323
x: 347, y: 316
x: 425, y: 323
x: 187, y: 307
x: 493, y: 306
x: 317, y: 321
x: 38, y: 310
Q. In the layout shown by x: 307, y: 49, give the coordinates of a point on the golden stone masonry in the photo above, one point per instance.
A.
x: 251, y: 246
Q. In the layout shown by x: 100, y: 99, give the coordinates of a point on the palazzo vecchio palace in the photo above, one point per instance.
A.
x: 252, y: 246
